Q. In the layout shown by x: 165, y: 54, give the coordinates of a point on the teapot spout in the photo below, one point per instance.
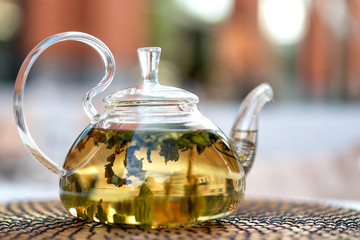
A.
x: 244, y: 131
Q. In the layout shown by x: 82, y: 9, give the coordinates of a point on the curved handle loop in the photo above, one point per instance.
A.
x: 109, y: 62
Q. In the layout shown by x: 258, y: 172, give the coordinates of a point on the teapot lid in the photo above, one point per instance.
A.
x: 150, y: 92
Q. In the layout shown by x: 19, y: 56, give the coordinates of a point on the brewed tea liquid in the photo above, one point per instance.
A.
x: 151, y: 179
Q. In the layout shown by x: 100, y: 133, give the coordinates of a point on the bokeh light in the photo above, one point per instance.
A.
x: 10, y: 19
x: 210, y: 11
x: 282, y: 21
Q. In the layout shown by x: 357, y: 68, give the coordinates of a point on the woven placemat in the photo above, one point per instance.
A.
x: 256, y: 219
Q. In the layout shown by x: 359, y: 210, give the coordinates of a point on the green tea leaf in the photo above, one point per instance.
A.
x: 80, y: 213
x: 200, y: 149
x: 111, y: 177
x: 101, y: 214
x: 143, y: 206
x: 119, y: 218
x: 90, y: 211
x: 169, y: 150
x: 99, y: 137
x: 109, y: 173
x: 110, y: 143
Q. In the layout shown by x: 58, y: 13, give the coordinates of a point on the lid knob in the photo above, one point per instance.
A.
x: 149, y: 58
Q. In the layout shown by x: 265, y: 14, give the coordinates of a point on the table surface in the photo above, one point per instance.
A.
x: 255, y: 219
x: 35, y: 206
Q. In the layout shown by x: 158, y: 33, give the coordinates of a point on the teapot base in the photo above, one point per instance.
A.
x: 164, y: 212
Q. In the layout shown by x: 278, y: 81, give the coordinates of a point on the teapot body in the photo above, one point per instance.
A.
x: 139, y: 171
x: 152, y: 159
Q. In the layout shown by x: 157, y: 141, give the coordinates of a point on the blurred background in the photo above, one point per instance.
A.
x: 308, y: 50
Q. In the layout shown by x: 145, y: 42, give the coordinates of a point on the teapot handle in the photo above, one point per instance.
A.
x: 90, y: 110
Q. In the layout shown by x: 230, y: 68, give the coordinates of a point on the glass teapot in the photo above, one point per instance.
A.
x: 151, y: 159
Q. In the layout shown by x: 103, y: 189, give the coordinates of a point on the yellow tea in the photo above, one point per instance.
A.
x: 151, y: 179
